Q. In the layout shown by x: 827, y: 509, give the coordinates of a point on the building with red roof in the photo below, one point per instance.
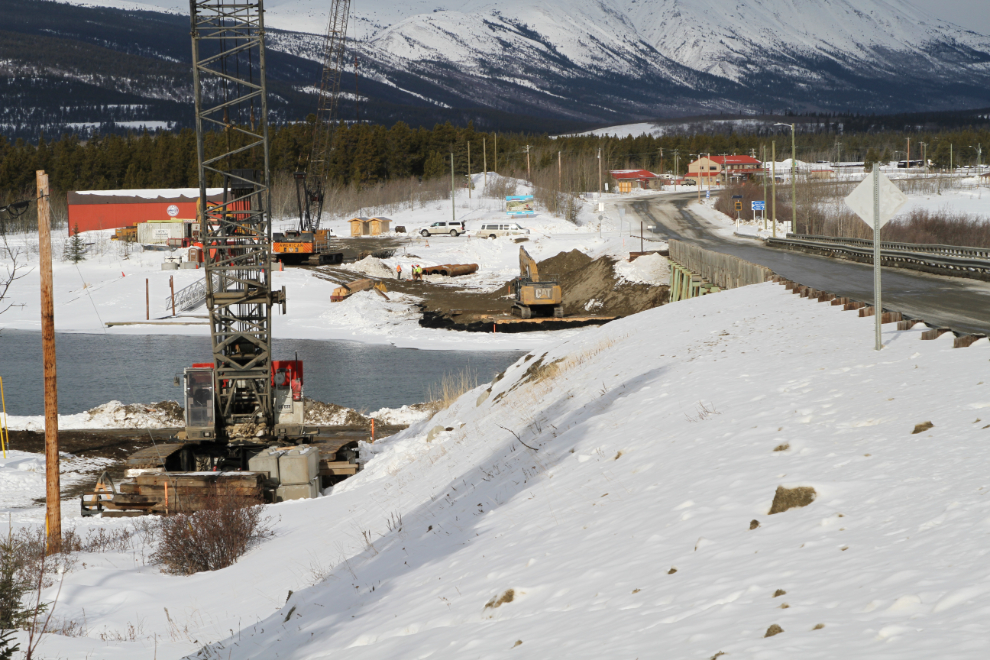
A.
x: 725, y: 167
x: 626, y: 180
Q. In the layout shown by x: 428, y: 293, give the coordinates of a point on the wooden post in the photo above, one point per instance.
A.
x: 640, y: 235
x: 147, y: 301
x: 53, y: 491
x: 372, y: 429
x: 171, y: 285
x: 484, y: 157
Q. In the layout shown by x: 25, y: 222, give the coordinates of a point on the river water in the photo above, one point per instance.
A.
x: 94, y: 369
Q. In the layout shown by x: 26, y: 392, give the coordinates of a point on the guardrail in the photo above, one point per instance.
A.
x: 723, y: 270
x: 953, y: 259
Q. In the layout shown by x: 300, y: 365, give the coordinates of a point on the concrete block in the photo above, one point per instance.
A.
x: 170, y: 265
x: 189, y: 265
x: 305, y: 491
x: 266, y: 461
x: 299, y: 466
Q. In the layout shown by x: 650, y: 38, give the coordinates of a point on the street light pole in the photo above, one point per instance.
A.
x: 793, y: 180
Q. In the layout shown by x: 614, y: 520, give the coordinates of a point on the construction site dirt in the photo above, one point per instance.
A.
x: 119, y: 444
x: 592, y: 295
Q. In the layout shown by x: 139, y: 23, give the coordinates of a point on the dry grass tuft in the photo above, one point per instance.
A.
x: 773, y: 630
x: 779, y: 592
x: 921, y: 428
x: 753, y: 524
x: 792, y: 498
x: 818, y: 626
x: 443, y: 394
x: 783, y: 447
x: 507, y: 597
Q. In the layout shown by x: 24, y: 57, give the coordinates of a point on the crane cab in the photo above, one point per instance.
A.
x: 200, y: 403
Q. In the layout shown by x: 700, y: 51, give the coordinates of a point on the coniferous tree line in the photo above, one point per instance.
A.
x: 368, y: 154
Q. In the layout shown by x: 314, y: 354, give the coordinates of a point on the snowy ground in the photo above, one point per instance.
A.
x: 614, y: 501
x: 109, y: 286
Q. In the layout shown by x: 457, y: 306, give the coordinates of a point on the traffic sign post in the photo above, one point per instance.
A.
x: 760, y: 206
x: 875, y: 201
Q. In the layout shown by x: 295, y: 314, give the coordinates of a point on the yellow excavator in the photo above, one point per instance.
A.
x: 535, y: 297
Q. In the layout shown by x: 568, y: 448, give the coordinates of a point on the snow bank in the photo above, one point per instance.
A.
x: 648, y: 269
x: 371, y: 266
x: 418, y: 412
x: 22, y: 478
x: 111, y: 415
x: 614, y: 491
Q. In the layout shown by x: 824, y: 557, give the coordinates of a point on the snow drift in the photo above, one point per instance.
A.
x: 612, y: 497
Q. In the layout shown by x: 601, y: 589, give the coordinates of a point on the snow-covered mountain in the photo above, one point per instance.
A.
x: 615, y: 60
x: 658, y: 57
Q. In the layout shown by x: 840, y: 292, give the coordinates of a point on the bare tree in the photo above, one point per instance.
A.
x: 14, y: 267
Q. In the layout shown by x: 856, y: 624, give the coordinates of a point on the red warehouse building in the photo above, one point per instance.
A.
x: 90, y: 210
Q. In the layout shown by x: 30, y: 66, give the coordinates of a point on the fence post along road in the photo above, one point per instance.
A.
x: 875, y: 201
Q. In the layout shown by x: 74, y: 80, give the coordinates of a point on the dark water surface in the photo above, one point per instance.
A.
x: 94, y: 369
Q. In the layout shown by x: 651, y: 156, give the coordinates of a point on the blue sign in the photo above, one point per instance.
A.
x: 708, y: 193
x: 759, y: 206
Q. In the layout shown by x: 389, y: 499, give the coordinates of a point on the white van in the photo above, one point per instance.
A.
x: 501, y: 229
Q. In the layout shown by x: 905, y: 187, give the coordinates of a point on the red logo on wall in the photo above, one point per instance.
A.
x: 172, y: 210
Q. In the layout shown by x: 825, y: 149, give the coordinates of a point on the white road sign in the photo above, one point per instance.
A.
x: 860, y: 200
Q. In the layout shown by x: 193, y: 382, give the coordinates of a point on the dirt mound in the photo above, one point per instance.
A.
x: 114, y: 414
x: 563, y: 263
x: 594, y: 288
x: 330, y: 414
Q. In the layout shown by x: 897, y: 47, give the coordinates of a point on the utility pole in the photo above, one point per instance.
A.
x: 495, y: 166
x: 560, y: 182
x: 53, y: 491
x: 924, y: 156
x: 763, y: 159
x: 453, y: 200
x: 908, y: 162
x: 793, y: 182
x: 529, y: 175
x: 773, y: 188
x: 469, y: 170
x: 677, y: 163
x: 950, y: 159
x: 599, y: 174
x: 484, y: 155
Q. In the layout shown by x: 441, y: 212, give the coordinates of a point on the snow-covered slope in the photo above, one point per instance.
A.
x: 598, y: 501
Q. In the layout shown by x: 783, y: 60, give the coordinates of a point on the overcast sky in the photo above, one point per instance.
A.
x: 971, y: 14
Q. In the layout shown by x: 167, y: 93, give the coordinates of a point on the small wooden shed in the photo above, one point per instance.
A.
x: 379, y: 226
x: 359, y: 226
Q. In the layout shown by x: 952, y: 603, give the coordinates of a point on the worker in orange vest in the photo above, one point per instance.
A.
x: 398, y: 271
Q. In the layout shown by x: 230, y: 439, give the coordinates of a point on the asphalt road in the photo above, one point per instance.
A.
x: 957, y: 303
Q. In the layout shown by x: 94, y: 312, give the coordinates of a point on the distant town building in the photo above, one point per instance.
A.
x: 732, y: 168
x: 626, y: 180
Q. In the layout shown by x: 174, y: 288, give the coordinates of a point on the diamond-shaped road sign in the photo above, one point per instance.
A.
x: 860, y: 200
